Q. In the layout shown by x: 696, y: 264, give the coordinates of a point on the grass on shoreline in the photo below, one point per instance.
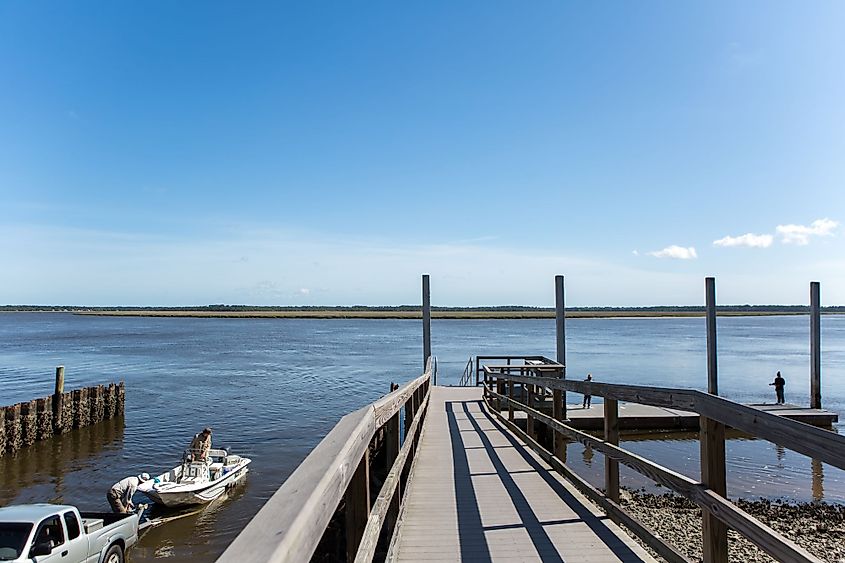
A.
x: 475, y: 314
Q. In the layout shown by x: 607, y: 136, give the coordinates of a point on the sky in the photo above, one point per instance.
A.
x: 329, y: 153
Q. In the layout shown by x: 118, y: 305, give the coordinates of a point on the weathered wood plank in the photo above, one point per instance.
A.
x: 613, y: 509
x: 357, y: 501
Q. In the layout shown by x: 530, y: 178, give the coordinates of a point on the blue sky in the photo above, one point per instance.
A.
x: 164, y: 153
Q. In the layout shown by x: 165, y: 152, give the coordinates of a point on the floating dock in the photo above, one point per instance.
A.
x: 633, y: 416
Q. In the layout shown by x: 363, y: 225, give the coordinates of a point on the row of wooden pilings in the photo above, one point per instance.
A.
x: 23, y: 424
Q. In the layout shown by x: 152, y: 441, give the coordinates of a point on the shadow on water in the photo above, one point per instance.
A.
x: 39, y: 473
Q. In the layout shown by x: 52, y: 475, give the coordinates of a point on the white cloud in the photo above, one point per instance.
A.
x: 675, y: 252
x: 304, y: 291
x: 800, y: 234
x: 748, y: 239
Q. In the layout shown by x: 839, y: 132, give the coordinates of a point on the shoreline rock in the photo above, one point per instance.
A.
x: 818, y: 527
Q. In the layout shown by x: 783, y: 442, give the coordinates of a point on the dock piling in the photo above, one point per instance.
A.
x: 560, y: 326
x: 815, y: 347
x: 426, y: 316
x: 712, y: 371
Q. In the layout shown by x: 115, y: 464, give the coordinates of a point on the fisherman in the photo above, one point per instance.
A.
x: 779, y: 383
x: 120, y: 495
x: 200, y: 445
x: 588, y: 398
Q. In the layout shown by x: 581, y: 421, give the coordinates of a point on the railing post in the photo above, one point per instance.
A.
x: 557, y: 414
x: 815, y: 347
x: 391, y: 444
x: 357, y: 500
x: 529, y: 400
x: 409, y: 414
x: 500, y: 389
x: 714, y: 531
x: 510, y: 403
x: 611, y: 436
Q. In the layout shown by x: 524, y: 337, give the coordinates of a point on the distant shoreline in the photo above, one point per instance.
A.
x: 466, y: 315
x: 413, y: 311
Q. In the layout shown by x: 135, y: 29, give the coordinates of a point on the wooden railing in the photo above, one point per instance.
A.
x: 479, y: 363
x: 467, y: 377
x: 717, y: 413
x: 329, y: 495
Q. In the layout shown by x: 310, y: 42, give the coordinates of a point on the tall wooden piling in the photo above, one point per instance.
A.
x: 426, y: 316
x: 712, y: 372
x: 58, y: 400
x: 815, y: 347
x: 560, y: 332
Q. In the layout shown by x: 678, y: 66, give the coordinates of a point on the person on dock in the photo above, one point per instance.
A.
x: 198, y: 450
x: 588, y: 398
x: 779, y: 383
x: 120, y: 495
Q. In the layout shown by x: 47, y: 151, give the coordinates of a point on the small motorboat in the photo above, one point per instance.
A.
x: 196, y: 482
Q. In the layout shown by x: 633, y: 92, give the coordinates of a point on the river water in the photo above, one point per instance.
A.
x: 271, y: 388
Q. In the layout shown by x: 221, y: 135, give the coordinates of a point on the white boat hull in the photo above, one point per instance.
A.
x: 170, y: 490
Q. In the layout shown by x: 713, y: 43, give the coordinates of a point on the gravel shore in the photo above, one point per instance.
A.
x: 817, y: 527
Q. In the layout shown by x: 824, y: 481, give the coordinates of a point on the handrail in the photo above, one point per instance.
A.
x: 823, y: 445
x: 466, y: 377
x: 292, y: 522
x: 800, y: 437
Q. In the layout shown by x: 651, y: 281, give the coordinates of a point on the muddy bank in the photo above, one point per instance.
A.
x: 817, y: 527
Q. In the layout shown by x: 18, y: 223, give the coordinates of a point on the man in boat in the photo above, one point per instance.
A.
x: 200, y: 445
x: 120, y: 495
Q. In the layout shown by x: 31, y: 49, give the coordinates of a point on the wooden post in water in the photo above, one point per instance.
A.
x: 58, y: 396
x: 712, y: 446
x: 712, y: 373
x: 560, y: 331
x: 426, y: 316
x: 815, y: 347
x: 60, y: 380
x: 611, y: 436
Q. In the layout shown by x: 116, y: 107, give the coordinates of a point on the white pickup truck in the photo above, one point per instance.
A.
x: 54, y: 533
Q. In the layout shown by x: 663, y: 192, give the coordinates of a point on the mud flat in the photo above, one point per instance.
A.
x: 818, y: 527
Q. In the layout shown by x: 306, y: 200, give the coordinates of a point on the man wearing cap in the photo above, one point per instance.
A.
x: 200, y: 445
x: 120, y: 495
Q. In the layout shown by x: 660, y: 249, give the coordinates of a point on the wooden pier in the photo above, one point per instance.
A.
x: 431, y: 473
x: 465, y: 483
x: 479, y: 494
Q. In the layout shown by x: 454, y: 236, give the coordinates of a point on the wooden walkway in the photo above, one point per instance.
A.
x: 478, y: 494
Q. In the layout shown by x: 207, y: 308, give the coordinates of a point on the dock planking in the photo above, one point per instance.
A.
x: 478, y: 494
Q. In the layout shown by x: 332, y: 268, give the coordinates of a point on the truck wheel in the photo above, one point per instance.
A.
x: 114, y: 555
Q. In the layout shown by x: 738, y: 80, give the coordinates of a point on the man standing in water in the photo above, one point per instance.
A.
x: 120, y: 494
x: 779, y: 382
x: 588, y: 398
x: 200, y: 445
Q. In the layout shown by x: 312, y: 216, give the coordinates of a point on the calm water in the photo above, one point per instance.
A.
x: 272, y: 387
